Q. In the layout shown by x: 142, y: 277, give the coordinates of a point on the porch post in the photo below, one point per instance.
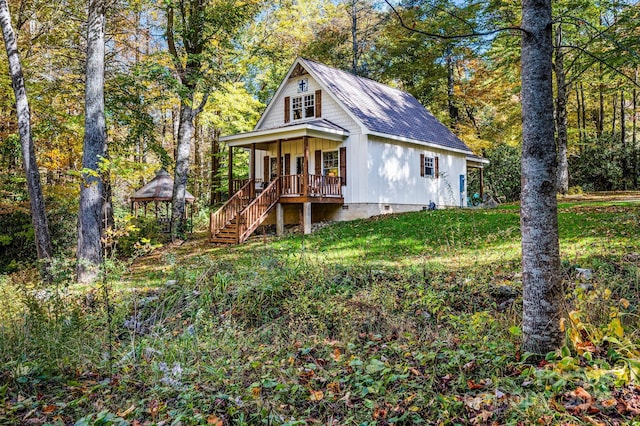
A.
x: 279, y: 220
x: 279, y: 160
x: 252, y: 171
x: 305, y: 175
x: 481, y: 183
x: 230, y: 171
x: 306, y: 217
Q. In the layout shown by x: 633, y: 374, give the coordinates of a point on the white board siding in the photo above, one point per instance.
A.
x: 384, y: 172
x: 330, y: 109
x: 393, y: 175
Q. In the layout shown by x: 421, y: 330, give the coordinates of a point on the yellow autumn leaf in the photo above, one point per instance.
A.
x: 562, y: 327
x: 336, y: 354
x: 256, y: 391
x: 316, y: 395
x: 616, y: 327
x: 624, y: 302
x: 574, y: 316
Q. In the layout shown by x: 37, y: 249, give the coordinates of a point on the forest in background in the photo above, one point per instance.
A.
x: 470, y: 83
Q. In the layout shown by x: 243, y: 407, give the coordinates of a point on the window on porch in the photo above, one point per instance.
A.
x: 330, y: 163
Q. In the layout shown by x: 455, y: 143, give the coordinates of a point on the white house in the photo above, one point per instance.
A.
x: 335, y: 146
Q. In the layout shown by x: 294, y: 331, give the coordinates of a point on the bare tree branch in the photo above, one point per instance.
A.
x: 602, y: 61
x: 599, y: 33
x: 451, y: 37
x: 172, y: 44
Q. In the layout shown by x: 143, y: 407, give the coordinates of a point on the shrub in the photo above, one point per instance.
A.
x: 575, y: 190
x: 502, y: 175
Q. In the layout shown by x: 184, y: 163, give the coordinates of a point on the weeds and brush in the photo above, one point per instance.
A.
x: 404, y: 319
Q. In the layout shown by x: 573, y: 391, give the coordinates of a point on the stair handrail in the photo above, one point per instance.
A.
x: 257, y: 211
x: 229, y: 210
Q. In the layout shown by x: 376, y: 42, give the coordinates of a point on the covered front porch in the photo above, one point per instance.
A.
x: 286, y: 177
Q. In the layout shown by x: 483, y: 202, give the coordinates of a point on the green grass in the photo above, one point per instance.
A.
x: 401, y: 319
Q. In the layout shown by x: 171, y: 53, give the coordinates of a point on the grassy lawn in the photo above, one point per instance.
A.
x: 401, y: 319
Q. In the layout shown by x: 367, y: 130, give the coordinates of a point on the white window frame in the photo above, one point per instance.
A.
x: 303, y: 106
x: 429, y: 166
x: 333, y: 161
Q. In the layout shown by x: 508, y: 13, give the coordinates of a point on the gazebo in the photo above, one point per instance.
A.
x: 159, y: 191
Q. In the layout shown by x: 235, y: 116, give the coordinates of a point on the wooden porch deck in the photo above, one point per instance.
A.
x: 252, y: 201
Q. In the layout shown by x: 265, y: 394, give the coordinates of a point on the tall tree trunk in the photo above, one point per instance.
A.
x: 541, y: 278
x: 89, y: 253
x: 634, y: 128
x: 183, y: 152
x: 453, y: 109
x: 623, y: 140
x: 600, y: 122
x: 584, y: 113
x: 354, y: 36
x: 580, y: 136
x: 197, y: 159
x: 615, y: 114
x: 36, y: 199
x: 216, y: 184
x: 561, y: 116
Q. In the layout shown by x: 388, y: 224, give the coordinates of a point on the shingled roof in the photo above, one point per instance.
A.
x: 383, y: 109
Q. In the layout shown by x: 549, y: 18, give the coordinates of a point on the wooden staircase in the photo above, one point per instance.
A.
x: 223, y: 227
x: 236, y: 220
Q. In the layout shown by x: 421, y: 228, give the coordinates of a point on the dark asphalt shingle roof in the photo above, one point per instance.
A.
x: 384, y: 109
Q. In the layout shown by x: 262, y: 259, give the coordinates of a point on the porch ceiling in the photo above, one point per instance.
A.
x: 321, y: 129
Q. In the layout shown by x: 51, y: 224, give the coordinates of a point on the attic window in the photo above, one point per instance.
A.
x: 303, y: 107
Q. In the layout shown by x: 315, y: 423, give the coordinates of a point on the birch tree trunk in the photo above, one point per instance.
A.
x: 561, y: 116
x: 183, y: 153
x: 89, y: 253
x: 542, y: 286
x: 36, y: 199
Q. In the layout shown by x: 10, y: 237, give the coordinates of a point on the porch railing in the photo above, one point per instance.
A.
x: 230, y: 209
x: 256, y: 212
x: 330, y: 186
x: 237, y: 184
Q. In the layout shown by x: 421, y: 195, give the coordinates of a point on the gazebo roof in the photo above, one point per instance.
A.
x: 160, y: 188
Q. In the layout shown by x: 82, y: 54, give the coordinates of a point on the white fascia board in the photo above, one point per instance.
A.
x: 290, y: 132
x: 418, y: 142
x: 478, y: 160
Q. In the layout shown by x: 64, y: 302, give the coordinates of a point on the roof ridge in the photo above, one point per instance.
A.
x: 386, y: 86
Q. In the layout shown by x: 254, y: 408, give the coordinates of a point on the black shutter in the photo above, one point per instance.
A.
x: 287, y: 109
x: 287, y: 164
x: 343, y: 165
x: 318, y: 162
x: 318, y: 103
